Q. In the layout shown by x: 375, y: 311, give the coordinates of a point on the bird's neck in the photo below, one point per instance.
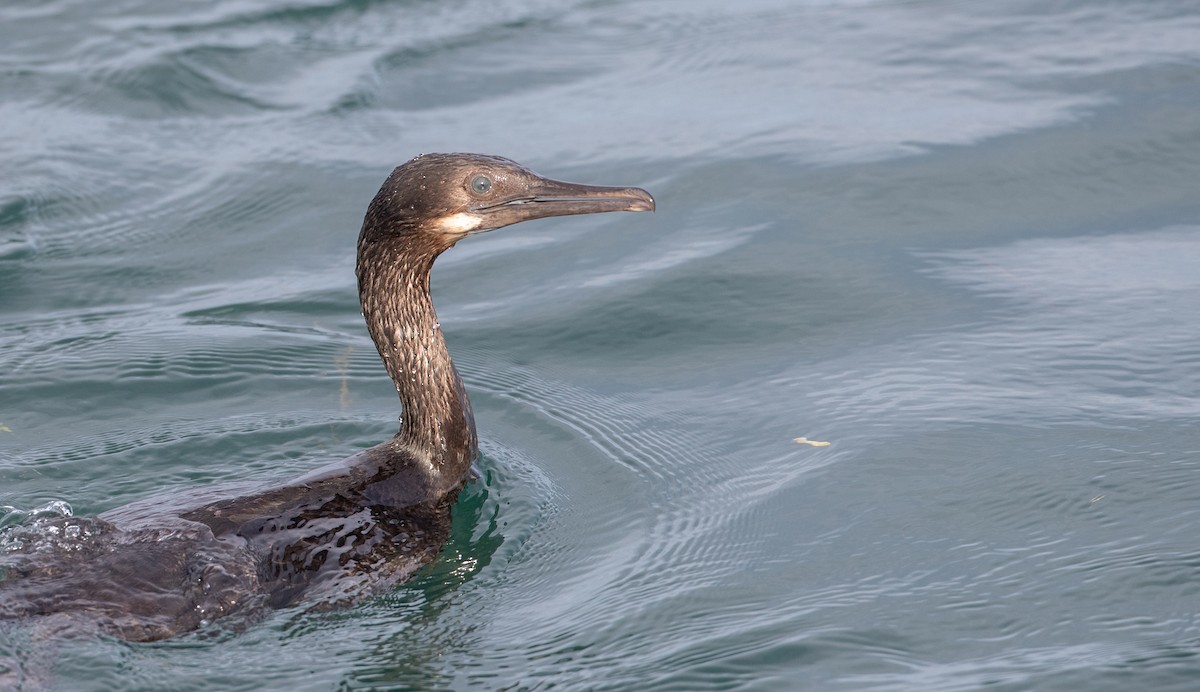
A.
x: 436, y: 420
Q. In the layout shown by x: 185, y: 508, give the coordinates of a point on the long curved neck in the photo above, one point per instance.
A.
x: 436, y: 421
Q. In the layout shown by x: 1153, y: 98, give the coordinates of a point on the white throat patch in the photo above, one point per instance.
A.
x: 460, y: 223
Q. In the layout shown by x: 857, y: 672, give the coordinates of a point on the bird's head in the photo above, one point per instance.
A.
x: 435, y: 200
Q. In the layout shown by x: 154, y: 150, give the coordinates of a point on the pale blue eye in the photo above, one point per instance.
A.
x: 480, y: 184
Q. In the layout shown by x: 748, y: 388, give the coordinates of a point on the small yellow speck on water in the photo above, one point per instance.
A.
x: 1097, y: 498
x: 812, y: 443
x: 5, y: 428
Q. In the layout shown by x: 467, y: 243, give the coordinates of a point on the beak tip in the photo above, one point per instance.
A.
x: 644, y: 201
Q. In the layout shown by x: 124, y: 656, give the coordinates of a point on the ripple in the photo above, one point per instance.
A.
x: 1008, y: 497
x: 695, y: 516
x: 12, y: 516
x: 48, y: 528
x: 1080, y: 331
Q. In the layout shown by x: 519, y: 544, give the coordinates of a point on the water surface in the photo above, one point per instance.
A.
x: 959, y: 242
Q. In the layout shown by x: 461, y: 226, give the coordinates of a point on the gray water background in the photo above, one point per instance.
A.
x: 959, y: 241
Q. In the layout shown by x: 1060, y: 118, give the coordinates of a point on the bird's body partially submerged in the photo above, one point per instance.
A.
x: 142, y: 572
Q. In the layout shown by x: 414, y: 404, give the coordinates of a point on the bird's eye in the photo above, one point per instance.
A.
x: 480, y: 184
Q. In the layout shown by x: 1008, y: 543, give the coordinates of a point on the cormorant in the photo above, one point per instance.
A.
x: 142, y: 572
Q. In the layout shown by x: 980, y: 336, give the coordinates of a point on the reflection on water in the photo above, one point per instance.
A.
x: 1072, y: 330
x: 958, y: 242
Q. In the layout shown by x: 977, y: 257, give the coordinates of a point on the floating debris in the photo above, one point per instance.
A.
x: 812, y: 443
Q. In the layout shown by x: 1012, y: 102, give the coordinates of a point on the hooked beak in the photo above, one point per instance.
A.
x: 556, y: 198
